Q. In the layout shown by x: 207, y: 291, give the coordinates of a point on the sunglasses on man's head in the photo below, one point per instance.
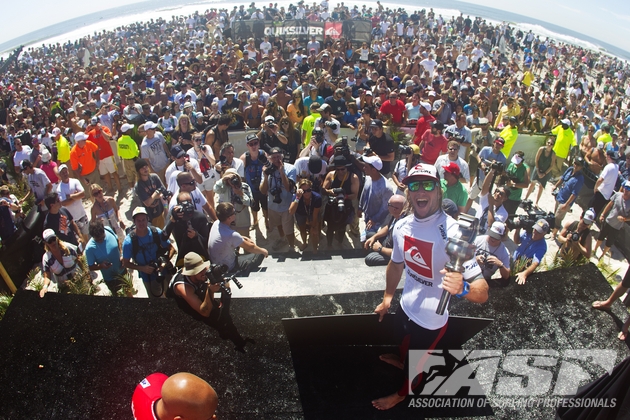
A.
x: 425, y: 185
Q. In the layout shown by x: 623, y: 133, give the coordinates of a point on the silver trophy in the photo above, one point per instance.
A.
x: 460, y: 249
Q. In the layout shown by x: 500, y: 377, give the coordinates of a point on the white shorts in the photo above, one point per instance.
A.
x: 208, y: 183
x: 107, y: 166
x: 474, y: 190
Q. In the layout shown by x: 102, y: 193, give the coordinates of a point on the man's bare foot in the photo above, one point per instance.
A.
x: 388, y: 402
x: 601, y: 305
x: 623, y: 335
x: 392, y: 359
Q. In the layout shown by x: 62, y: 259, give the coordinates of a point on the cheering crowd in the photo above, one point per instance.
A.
x: 160, y: 99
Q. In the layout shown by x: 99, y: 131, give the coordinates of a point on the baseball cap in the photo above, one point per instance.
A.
x: 228, y: 93
x: 626, y: 185
x: 138, y: 210
x: 324, y: 107
x: 251, y: 137
x: 450, y: 207
x: 62, y: 167
x: 315, y: 164
x: 439, y: 125
x: 452, y: 168
x: 25, y: 164
x: 422, y: 170
x: 274, y: 150
x: 48, y: 234
x: 579, y: 160
x: 566, y: 121
x: 369, y: 93
x: 94, y: 120
x: 541, y: 226
x: 284, y: 78
x: 589, y: 216
x: 194, y: 264
x: 56, y: 131
x: 497, y: 230
x: 409, y: 83
x: 80, y: 136
x: 177, y: 152
x: 415, y: 149
x: 150, y: 125
x: 269, y: 118
x: 126, y: 127
x: 375, y: 161
x: 4, y: 188
x: 426, y: 106
x: 340, y: 160
x: 483, y: 121
x: 376, y: 123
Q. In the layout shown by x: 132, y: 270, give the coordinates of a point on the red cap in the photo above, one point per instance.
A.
x: 452, y: 168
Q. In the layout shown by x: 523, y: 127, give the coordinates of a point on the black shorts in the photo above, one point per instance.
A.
x: 259, y: 200
x: 609, y: 233
x: 626, y: 279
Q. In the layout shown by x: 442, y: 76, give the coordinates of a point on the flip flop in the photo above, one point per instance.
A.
x: 600, y: 306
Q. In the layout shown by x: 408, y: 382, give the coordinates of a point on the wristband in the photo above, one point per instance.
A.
x: 465, y: 291
x: 380, y: 249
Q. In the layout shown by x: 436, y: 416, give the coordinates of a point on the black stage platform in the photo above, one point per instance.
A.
x: 80, y: 357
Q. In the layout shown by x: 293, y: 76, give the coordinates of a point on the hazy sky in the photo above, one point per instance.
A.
x: 606, y: 20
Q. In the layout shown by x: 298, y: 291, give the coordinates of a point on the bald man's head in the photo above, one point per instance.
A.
x: 396, y: 204
x: 187, y: 396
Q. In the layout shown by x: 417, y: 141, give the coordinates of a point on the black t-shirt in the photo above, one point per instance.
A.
x: 382, y: 146
x: 144, y: 190
x: 198, y: 244
x: 61, y: 224
x: 338, y: 105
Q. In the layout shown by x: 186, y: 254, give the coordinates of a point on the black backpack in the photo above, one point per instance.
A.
x: 135, y: 243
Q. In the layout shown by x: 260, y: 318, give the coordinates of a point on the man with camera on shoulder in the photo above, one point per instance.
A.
x: 151, y: 252
x: 328, y: 124
x: 189, y: 227
x: 279, y: 180
x: 493, y: 255
x: 575, y: 237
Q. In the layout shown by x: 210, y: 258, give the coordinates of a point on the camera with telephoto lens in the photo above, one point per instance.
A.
x: 497, y: 166
x: 276, y: 192
x: 453, y: 135
x: 236, y: 183
x: 574, y: 236
x: 367, y: 151
x: 339, y: 199
x: 331, y: 124
x: 269, y: 168
x: 162, y: 267
x: 184, y: 208
x: 165, y: 193
x: 216, y: 275
x: 319, y: 135
x: 270, y: 124
x: 527, y: 221
x: 405, y: 150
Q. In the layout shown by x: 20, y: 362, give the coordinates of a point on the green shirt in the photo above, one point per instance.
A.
x: 518, y: 172
x: 307, y: 125
x: 456, y: 192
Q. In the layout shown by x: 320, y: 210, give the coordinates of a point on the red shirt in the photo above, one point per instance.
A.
x: 396, y: 111
x: 105, y: 149
x: 424, y: 124
x: 146, y: 394
x: 433, y: 147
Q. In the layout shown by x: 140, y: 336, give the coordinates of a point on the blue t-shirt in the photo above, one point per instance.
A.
x: 107, y: 250
x: 530, y: 249
x: 572, y: 185
x: 348, y: 118
x: 147, y: 250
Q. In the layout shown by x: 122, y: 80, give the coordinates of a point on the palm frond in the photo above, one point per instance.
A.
x: 5, y: 301
x: 126, y: 289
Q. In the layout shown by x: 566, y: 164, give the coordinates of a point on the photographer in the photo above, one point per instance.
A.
x: 566, y: 191
x: 189, y: 228
x: 103, y: 253
x: 147, y: 246
x: 224, y: 241
x: 151, y: 192
x: 306, y: 207
x: 204, y: 156
x: 615, y: 214
x: 270, y: 137
x: 575, y: 237
x: 382, y: 145
x: 488, y: 156
x: 227, y: 161
x: 186, y: 183
x: 312, y: 168
x: 518, y: 178
x: 491, y: 207
x: 317, y: 146
x: 328, y: 124
x: 492, y: 254
x: 531, y: 247
x: 253, y: 161
x: 341, y: 186
x: 231, y: 188
x: 461, y: 134
x: 278, y: 182
x: 182, y: 162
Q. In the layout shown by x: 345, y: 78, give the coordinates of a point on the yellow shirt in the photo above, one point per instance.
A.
x: 605, y: 138
x: 515, y: 111
x: 63, y: 149
x: 127, y: 147
x: 564, y: 140
x: 510, y: 135
x: 528, y: 78
x: 308, y: 125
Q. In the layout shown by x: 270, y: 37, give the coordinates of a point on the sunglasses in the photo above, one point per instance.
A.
x: 193, y: 182
x: 425, y: 185
x: 97, y: 193
x: 307, y: 191
x: 392, y: 206
x: 51, y: 241
x: 253, y: 143
x: 285, y: 123
x: 453, y: 149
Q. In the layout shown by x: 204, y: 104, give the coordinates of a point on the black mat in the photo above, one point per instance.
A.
x: 67, y: 357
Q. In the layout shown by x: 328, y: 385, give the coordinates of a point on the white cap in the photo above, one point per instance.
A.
x: 422, y: 169
x: 589, y: 216
x: 56, y: 131
x: 46, y: 156
x: 126, y: 127
x: 48, y: 234
x: 374, y: 161
x: 80, y: 136
x: 138, y: 210
x: 270, y: 118
x: 566, y: 121
x: 426, y: 106
x: 497, y: 230
x: 150, y: 125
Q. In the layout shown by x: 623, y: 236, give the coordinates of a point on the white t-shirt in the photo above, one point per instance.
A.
x: 443, y: 160
x: 420, y: 244
x: 609, y: 175
x: 73, y: 186
x: 172, y: 168
x: 301, y: 167
x: 197, y: 197
x: 25, y: 154
x: 429, y: 65
x: 500, y: 215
